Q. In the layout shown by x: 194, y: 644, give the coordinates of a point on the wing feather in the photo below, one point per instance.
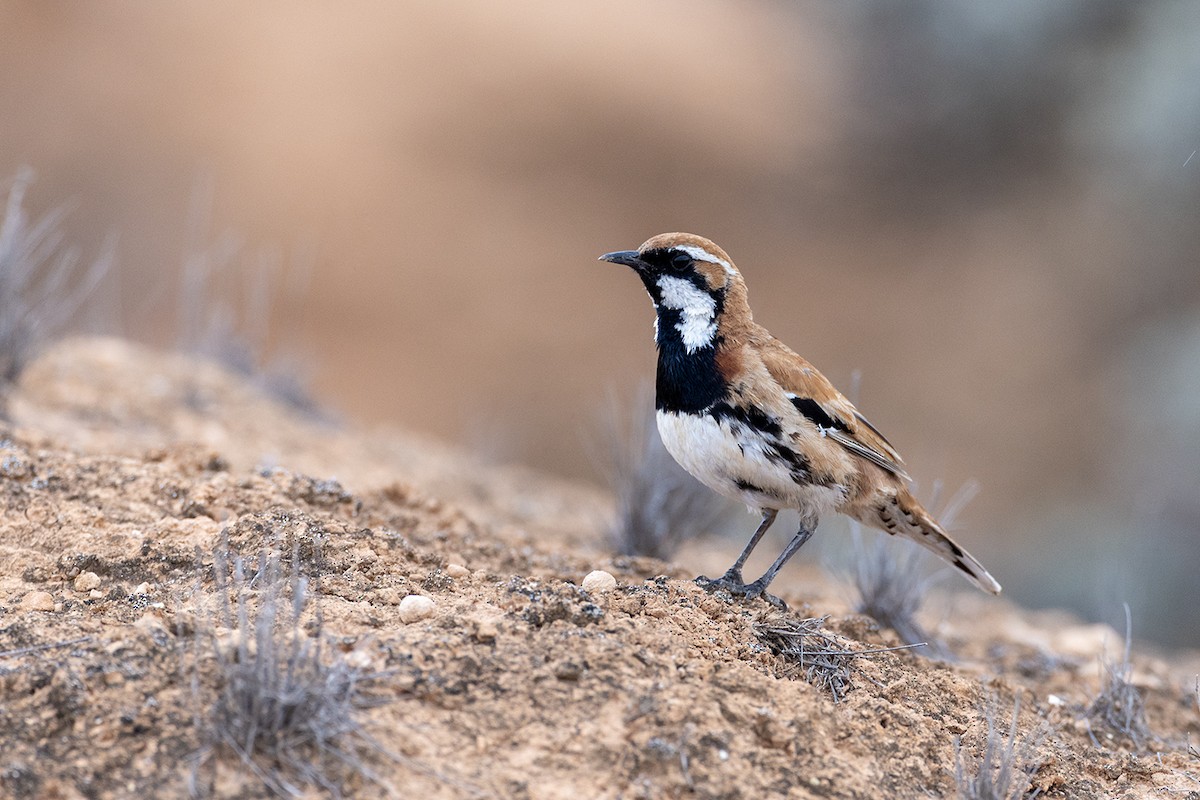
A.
x: 837, y: 417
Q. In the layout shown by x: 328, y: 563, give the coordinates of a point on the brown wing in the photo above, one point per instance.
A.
x: 816, y: 398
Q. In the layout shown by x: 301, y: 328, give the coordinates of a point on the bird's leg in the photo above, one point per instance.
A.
x: 759, y: 587
x: 732, y: 581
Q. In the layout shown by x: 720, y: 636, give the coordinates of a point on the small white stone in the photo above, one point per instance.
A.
x: 415, y: 608
x: 1055, y: 700
x: 598, y: 581
x: 86, y: 581
x: 141, y: 588
x: 457, y: 570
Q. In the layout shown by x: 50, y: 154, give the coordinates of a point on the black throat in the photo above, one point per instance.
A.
x: 686, y: 382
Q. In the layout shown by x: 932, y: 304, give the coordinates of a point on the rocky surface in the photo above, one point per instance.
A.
x: 497, y: 662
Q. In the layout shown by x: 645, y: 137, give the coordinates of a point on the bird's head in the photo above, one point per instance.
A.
x: 691, y: 281
x: 678, y: 257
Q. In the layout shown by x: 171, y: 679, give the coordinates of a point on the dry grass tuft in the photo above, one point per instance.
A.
x: 1120, y: 706
x: 891, y: 581
x: 42, y: 285
x: 1192, y: 749
x: 226, y: 300
x: 823, y: 659
x: 279, y: 700
x: 1003, y: 770
x: 891, y: 578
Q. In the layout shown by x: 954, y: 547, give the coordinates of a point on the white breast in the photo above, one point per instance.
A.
x: 728, y: 461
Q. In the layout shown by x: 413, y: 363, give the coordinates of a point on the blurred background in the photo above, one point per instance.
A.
x: 989, y: 210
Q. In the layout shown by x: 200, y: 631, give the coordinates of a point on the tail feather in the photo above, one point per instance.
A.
x: 904, y: 515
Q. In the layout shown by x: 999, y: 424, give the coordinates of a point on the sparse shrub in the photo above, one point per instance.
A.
x: 823, y: 659
x: 891, y: 582
x: 224, y: 305
x: 1120, y: 706
x: 659, y: 505
x: 1192, y: 778
x: 1003, y: 770
x: 281, y: 701
x: 891, y: 575
x: 1192, y: 749
x: 42, y: 284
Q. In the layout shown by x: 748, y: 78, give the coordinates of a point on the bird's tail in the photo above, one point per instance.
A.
x: 904, y: 515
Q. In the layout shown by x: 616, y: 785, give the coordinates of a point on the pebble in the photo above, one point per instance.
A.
x: 568, y: 671
x: 457, y: 571
x: 37, y: 601
x: 599, y: 581
x: 485, y: 630
x: 86, y: 581
x: 388, y: 595
x: 415, y: 608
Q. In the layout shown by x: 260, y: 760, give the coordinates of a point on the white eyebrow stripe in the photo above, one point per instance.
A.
x: 700, y: 254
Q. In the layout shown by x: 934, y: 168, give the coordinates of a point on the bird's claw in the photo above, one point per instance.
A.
x: 737, y: 587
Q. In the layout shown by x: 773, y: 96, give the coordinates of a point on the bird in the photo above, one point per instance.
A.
x: 756, y: 422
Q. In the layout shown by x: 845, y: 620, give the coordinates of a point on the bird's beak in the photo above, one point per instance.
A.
x: 630, y: 258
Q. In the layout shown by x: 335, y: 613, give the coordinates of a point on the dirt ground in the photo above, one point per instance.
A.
x: 125, y: 472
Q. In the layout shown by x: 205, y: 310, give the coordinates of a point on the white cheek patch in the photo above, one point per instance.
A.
x: 685, y: 296
x: 700, y: 254
x: 698, y: 311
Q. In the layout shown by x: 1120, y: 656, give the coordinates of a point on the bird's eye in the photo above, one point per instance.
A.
x: 680, y: 261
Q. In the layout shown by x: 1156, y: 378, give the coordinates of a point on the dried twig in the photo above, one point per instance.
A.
x: 824, y: 659
x: 38, y: 648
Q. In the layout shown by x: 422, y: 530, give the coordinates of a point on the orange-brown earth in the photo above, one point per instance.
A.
x: 121, y: 467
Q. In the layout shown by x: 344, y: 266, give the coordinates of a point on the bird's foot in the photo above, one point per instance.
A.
x: 733, y: 583
x: 759, y: 589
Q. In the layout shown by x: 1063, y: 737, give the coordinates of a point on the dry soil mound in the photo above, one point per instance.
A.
x: 128, y: 479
